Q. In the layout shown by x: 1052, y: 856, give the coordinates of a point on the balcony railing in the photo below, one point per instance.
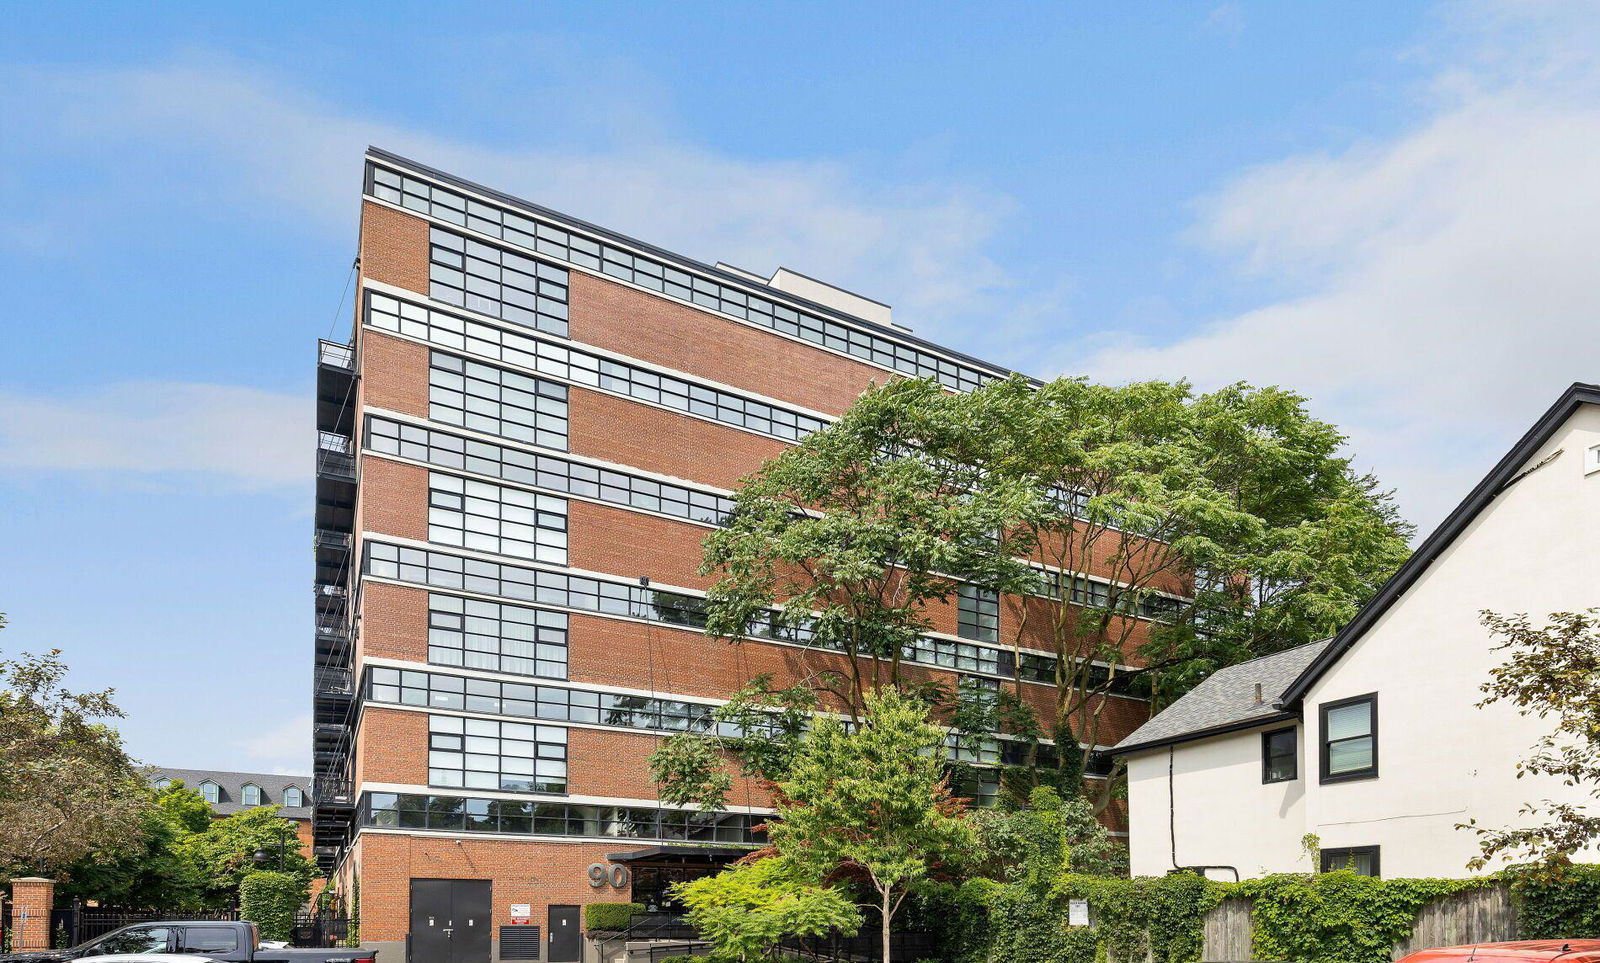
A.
x: 335, y: 456
x: 335, y: 355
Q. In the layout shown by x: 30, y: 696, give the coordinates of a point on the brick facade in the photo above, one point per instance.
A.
x: 390, y: 746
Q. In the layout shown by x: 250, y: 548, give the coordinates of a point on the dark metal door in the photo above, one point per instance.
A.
x: 564, y: 935
x: 450, y: 921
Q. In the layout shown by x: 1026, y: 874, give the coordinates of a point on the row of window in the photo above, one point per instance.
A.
x: 581, y: 367
x: 489, y: 280
x: 485, y: 754
x: 250, y: 794
x: 545, y: 471
x: 492, y: 518
x: 434, y: 690
x: 445, y: 571
x: 496, y: 637
x: 520, y: 817
x: 496, y: 401
x: 552, y: 241
x: 1091, y: 593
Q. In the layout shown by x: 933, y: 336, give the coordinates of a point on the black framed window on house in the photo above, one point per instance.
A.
x: 1350, y: 738
x: 1279, y: 762
x: 1361, y: 860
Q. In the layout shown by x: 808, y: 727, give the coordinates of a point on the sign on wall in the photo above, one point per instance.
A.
x: 600, y: 874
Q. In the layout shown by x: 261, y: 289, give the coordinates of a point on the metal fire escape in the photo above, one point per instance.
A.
x: 333, y: 684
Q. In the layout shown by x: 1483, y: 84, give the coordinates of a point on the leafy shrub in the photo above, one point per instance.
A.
x: 271, y: 899
x: 609, y: 916
x: 1566, y: 906
x: 1337, y: 917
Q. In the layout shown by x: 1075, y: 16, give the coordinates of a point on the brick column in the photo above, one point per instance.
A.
x: 31, y: 900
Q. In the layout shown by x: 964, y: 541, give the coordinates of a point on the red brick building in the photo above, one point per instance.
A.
x: 535, y: 423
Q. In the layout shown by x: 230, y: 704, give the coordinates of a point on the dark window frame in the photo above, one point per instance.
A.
x: 1370, y: 772
x: 1338, y: 857
x: 1266, y: 755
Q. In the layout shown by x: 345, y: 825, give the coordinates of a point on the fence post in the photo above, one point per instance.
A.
x: 32, y: 898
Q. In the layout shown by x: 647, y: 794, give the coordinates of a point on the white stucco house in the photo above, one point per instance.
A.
x: 1372, y: 740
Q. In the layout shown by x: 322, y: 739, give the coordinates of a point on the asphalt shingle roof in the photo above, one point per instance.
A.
x: 230, y: 788
x: 1227, y: 698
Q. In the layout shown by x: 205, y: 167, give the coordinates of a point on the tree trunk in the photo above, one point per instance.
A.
x: 887, y: 956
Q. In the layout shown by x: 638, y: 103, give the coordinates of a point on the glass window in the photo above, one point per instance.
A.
x: 1361, y: 860
x: 293, y: 797
x: 210, y: 939
x: 136, y: 939
x: 978, y: 613
x: 250, y: 795
x: 163, y: 783
x: 210, y: 792
x: 1278, y: 757
x: 1350, y: 738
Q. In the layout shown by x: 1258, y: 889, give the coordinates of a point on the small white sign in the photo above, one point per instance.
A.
x: 1078, y: 912
x: 521, y: 911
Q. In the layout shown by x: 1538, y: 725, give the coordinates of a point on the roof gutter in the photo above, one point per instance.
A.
x: 1250, y: 723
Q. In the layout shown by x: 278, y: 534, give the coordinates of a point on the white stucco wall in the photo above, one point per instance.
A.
x: 1226, y: 815
x: 1442, y: 760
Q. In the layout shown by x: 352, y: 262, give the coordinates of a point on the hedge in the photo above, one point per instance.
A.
x: 270, y: 900
x: 609, y: 916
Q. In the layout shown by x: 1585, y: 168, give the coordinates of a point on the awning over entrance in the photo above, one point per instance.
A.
x: 679, y: 854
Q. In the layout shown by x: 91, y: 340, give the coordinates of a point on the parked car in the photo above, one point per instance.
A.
x: 192, y: 941
x: 152, y: 958
x: 1531, y: 951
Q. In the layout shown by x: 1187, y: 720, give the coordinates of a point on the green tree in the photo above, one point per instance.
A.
x: 160, y: 871
x: 871, y: 799
x: 1032, y: 846
x: 226, y: 851
x: 1552, y: 671
x: 67, y: 788
x: 1228, y: 523
x: 747, y: 909
x: 857, y: 528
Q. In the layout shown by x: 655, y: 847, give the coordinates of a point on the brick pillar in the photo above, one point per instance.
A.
x: 31, y: 900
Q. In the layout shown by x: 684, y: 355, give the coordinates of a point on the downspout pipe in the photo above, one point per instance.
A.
x: 1172, y: 824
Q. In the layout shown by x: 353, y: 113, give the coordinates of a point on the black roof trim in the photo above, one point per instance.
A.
x: 888, y: 331
x: 1503, y: 474
x: 706, y: 853
x: 1243, y: 724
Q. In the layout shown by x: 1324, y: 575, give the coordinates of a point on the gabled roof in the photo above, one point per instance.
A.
x: 1506, y: 471
x: 230, y: 786
x: 1226, y: 702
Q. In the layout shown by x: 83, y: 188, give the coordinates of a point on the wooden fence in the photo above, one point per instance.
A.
x: 1474, y: 916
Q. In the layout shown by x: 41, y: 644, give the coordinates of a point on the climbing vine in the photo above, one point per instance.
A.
x: 1337, y: 917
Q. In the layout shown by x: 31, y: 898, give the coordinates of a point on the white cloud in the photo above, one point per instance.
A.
x: 285, y: 750
x: 221, y: 435
x: 1443, y: 279
x: 213, y: 132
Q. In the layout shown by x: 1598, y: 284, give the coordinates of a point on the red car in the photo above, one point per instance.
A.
x: 1533, y: 951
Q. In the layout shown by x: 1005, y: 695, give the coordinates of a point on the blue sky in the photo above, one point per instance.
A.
x: 1390, y: 207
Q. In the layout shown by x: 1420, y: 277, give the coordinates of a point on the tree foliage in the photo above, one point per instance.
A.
x: 160, y: 870
x: 872, y: 800
x: 1552, y: 671
x: 1034, y: 845
x: 759, y: 727
x: 747, y: 909
x: 67, y: 788
x: 857, y: 528
x: 226, y: 852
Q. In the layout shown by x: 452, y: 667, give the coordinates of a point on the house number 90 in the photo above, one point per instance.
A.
x: 600, y: 874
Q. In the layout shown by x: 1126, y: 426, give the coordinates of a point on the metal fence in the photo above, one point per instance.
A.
x: 866, y: 946
x: 77, y: 924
